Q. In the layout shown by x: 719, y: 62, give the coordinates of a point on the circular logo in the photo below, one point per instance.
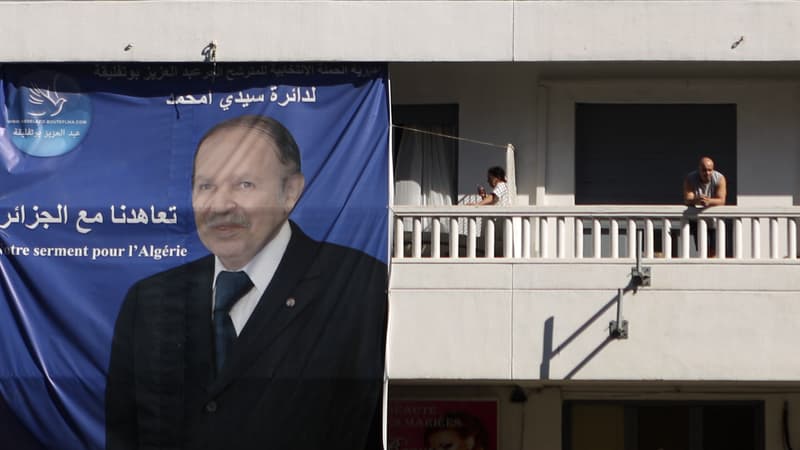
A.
x: 47, y: 114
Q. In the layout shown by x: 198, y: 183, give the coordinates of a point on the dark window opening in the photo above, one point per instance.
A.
x: 641, y: 153
x: 666, y: 425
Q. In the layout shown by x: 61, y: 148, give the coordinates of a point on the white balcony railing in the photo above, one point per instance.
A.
x: 601, y: 232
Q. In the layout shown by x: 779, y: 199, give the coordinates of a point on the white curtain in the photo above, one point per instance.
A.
x: 511, y: 174
x: 424, y: 172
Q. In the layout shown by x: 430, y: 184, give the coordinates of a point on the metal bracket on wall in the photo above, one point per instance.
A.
x: 618, y: 329
x: 640, y: 276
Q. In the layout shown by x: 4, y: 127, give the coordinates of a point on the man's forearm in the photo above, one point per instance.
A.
x: 716, y: 202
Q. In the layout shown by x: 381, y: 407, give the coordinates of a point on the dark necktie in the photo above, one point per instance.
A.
x: 231, y: 286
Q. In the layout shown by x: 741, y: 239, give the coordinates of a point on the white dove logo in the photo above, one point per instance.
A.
x: 49, y: 114
x: 48, y: 98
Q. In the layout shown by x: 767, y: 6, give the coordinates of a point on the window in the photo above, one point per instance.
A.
x: 640, y: 153
x: 425, y: 163
x: 664, y: 425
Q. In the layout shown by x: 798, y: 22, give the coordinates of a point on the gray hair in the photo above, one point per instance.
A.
x: 288, y: 151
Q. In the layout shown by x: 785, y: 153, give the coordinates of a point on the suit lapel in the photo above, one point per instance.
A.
x: 276, y: 308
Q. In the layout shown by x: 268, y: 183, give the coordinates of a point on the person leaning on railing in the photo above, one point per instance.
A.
x: 702, y: 188
x: 705, y: 186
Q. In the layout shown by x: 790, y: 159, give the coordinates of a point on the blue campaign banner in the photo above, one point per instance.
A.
x: 96, y: 171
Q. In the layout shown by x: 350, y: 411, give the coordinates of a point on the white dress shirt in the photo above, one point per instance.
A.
x: 260, y: 270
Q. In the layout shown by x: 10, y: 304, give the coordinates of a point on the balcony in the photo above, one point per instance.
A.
x: 595, y: 232
x: 462, y: 309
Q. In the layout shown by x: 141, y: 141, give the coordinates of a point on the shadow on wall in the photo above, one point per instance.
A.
x: 548, y: 352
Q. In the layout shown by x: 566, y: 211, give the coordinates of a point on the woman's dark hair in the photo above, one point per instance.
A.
x: 498, y: 172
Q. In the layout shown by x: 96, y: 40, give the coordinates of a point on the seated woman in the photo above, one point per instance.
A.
x: 496, y: 176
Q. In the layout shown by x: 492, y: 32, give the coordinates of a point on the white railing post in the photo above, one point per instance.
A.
x: 436, y: 238
x: 631, y: 230
x: 526, y: 237
x: 597, y: 233
x: 666, y: 239
x: 738, y: 238
x: 648, y: 231
x: 508, y: 238
x: 755, y: 241
x: 489, y: 239
x: 561, y: 237
x: 453, y: 242
x: 417, y: 238
x: 773, y: 238
x: 685, y: 238
x: 578, y: 237
x: 722, y: 251
x: 702, y: 238
x: 791, y: 225
x: 398, y: 238
x: 472, y: 237
x: 614, y: 239
x: 543, y: 239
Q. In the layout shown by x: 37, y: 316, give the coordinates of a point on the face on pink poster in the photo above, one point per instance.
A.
x: 442, y: 424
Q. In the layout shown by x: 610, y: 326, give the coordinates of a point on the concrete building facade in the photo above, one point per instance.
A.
x: 527, y: 323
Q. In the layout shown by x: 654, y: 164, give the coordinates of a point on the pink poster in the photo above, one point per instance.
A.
x: 442, y: 424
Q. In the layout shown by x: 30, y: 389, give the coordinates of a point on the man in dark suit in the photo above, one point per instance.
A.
x: 294, y: 361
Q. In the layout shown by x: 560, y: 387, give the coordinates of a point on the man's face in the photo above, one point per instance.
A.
x: 705, y: 169
x: 241, y: 194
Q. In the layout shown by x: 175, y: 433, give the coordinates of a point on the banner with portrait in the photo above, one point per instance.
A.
x: 440, y: 424
x: 96, y: 182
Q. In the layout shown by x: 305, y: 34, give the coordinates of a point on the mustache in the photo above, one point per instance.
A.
x: 227, y: 219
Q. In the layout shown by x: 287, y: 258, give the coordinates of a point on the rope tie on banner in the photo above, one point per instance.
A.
x: 209, y: 53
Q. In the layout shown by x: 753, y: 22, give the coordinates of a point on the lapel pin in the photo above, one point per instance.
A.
x: 290, y: 302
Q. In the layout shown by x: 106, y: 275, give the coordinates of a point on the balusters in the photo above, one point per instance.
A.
x: 631, y: 239
x: 508, y: 238
x: 755, y: 239
x: 685, y: 237
x: 453, y: 242
x: 436, y: 238
x: 773, y: 238
x: 489, y: 239
x: 472, y: 237
x: 526, y: 237
x: 398, y: 238
x: 738, y: 238
x: 596, y: 235
x: 547, y: 236
x: 702, y: 238
x: 416, y: 241
x: 543, y: 238
x: 614, y: 239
